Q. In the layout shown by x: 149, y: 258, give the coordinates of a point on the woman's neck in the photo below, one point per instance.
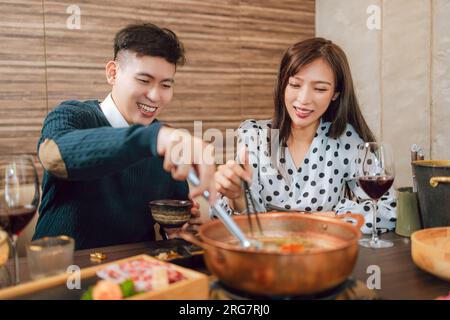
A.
x: 299, y: 142
x: 303, y: 135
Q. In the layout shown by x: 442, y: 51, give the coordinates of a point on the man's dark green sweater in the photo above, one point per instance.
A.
x: 98, y: 179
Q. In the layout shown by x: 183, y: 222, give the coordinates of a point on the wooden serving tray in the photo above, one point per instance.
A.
x: 195, y: 287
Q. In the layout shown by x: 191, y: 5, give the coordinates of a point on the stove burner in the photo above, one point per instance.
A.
x: 350, y: 289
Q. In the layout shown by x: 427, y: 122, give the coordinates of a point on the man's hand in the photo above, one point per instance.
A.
x: 183, y: 152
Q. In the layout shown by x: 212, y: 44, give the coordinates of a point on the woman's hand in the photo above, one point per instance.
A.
x: 228, y: 176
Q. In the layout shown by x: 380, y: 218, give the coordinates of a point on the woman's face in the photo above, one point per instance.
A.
x: 309, y: 93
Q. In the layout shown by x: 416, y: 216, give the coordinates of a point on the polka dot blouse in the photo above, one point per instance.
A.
x: 318, y: 184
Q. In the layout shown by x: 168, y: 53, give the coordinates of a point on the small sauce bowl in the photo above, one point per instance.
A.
x: 171, y: 213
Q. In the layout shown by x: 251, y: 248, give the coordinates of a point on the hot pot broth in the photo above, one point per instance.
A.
x: 292, y: 243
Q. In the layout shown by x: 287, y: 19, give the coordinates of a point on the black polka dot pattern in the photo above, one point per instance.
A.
x: 318, y: 183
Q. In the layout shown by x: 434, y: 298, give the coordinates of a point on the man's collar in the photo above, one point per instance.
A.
x: 112, y: 113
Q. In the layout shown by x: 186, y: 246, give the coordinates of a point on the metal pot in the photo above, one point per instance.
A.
x: 433, y: 190
x: 269, y: 273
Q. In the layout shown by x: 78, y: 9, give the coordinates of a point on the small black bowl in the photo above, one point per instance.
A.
x: 171, y: 213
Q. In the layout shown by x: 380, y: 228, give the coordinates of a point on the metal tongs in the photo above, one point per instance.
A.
x: 251, y: 208
x: 225, y: 218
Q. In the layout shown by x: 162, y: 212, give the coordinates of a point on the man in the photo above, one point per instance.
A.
x: 103, y: 161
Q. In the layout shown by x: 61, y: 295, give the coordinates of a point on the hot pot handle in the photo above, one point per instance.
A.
x: 358, y: 217
x: 434, y: 181
x: 215, y: 254
x: 193, y: 239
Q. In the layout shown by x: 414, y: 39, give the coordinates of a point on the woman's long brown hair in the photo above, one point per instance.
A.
x: 345, y: 109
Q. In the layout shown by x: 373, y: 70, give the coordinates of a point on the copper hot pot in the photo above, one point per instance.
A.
x: 277, y: 273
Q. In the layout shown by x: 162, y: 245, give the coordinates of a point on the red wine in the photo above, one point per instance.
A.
x: 376, y: 186
x: 14, y: 220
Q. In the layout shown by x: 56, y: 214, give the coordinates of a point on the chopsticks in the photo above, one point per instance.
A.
x: 223, y: 216
x: 250, y: 206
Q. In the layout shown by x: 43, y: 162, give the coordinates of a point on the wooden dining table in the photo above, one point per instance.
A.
x: 390, y: 272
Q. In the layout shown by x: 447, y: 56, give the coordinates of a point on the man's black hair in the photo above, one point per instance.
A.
x: 150, y: 40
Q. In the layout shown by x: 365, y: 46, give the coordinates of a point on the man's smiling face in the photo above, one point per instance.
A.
x: 141, y: 86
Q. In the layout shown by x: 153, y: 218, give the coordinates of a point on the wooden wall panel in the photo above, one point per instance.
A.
x: 233, y: 49
x: 76, y: 57
x: 267, y: 29
x: 23, y: 103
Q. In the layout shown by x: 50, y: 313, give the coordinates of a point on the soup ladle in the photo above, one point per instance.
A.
x: 226, y: 219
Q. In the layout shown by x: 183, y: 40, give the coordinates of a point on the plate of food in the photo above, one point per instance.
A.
x: 131, y: 278
x: 139, y: 277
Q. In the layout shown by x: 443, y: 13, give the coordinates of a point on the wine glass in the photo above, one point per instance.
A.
x: 375, y: 175
x: 19, y: 198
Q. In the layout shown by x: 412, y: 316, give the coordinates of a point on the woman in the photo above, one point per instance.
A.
x: 304, y: 157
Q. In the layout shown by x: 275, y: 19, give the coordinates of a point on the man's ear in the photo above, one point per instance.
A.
x: 111, y: 72
x: 335, y: 96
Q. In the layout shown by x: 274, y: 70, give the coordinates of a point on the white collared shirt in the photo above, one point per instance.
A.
x: 112, y: 113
